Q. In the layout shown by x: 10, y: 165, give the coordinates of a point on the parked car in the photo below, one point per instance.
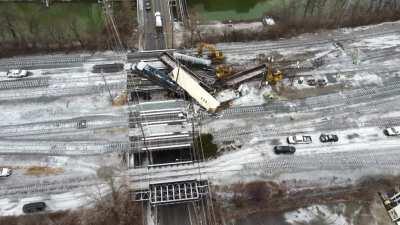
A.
x: 82, y: 124
x: 322, y: 82
x: 34, y: 207
x: 311, y: 82
x: 392, y: 131
x: 299, y: 139
x: 147, y: 5
x: 15, y: 73
x: 284, y: 149
x: 328, y: 138
x: 5, y: 172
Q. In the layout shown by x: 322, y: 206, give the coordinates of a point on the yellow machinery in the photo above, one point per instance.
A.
x: 215, y: 55
x: 121, y: 99
x: 223, y: 71
x: 273, y: 75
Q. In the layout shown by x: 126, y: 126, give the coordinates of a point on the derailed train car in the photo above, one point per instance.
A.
x: 193, y: 88
x: 156, y: 76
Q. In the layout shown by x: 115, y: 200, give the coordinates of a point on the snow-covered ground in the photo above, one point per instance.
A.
x: 366, y: 62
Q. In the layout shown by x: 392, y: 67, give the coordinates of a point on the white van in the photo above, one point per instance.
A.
x: 158, y: 20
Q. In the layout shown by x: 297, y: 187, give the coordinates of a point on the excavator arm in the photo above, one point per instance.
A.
x: 215, y: 55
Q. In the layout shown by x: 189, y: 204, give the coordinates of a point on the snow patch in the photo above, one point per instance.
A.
x: 365, y: 79
x: 388, y: 41
x: 315, y: 213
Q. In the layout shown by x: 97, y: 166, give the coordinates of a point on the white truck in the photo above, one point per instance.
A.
x: 158, y: 20
x: 299, y: 139
x: 15, y: 73
x: 5, y: 172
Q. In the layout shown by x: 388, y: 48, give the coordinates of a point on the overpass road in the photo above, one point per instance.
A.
x: 153, y: 38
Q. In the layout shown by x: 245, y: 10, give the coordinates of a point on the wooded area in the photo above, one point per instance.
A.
x: 294, y: 17
x: 30, y: 27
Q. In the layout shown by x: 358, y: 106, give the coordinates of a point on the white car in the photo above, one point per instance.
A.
x: 5, y: 172
x: 392, y: 131
x: 299, y: 139
x: 17, y: 73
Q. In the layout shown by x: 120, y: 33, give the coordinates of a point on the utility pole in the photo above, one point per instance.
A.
x: 105, y: 83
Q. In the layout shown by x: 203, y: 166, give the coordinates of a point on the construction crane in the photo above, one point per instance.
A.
x: 214, y: 54
x: 273, y: 76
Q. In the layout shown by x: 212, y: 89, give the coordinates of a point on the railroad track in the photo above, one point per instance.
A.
x: 337, y: 122
x: 33, y: 62
x: 261, y: 46
x: 378, y: 69
x: 346, y: 98
x: 24, y: 83
x: 36, y: 61
x: 337, y: 161
x: 61, y: 92
x: 387, y: 53
x: 57, y: 126
x: 49, y: 187
x: 62, y: 148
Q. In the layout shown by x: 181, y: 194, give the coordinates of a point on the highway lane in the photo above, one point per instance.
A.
x: 153, y: 38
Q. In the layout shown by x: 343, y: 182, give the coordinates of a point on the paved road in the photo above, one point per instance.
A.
x: 154, y: 39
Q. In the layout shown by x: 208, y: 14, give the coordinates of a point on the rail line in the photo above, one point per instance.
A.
x: 346, y: 98
x: 43, y: 61
x: 326, y: 162
x: 49, y: 187
x: 61, y: 92
x: 62, y: 148
x: 261, y: 46
x: 338, y: 121
x: 24, y: 83
x: 270, y: 168
x: 91, y: 122
x: 302, y: 43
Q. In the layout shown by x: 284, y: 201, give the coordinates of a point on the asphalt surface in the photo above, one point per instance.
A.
x: 154, y: 38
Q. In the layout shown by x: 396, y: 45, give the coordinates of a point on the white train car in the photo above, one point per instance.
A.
x: 192, y: 86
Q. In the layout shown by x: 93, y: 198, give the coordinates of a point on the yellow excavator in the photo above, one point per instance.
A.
x: 273, y: 75
x: 222, y: 71
x: 215, y: 55
x: 121, y: 99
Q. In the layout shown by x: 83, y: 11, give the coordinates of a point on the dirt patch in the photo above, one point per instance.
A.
x: 43, y: 171
x: 293, y: 93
